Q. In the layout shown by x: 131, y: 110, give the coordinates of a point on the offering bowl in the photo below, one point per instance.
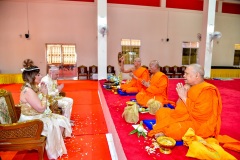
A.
x: 166, y: 144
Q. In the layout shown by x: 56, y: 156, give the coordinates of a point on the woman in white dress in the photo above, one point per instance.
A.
x: 34, y: 105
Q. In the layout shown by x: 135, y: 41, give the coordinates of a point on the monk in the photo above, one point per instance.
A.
x: 138, y: 74
x: 198, y: 107
x: 156, y: 87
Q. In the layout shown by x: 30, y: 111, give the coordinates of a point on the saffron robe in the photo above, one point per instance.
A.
x: 157, y: 90
x: 135, y: 85
x: 202, y: 112
x: 229, y: 142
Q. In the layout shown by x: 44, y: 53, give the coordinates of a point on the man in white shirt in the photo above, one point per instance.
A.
x: 65, y: 103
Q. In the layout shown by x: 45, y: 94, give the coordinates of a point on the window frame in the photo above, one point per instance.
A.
x: 191, y: 56
x: 236, y: 58
x: 130, y: 49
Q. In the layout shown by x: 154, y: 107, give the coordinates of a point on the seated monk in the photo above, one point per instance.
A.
x: 198, y: 107
x: 138, y: 74
x: 156, y: 87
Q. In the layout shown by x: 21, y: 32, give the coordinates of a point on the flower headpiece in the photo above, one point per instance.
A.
x: 28, y: 65
x: 29, y: 69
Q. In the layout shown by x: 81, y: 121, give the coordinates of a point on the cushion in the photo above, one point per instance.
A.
x: 4, y: 113
x: 149, y: 123
x: 169, y: 106
x: 122, y: 93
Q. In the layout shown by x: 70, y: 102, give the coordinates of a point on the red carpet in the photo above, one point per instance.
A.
x: 134, y: 147
x: 89, y: 140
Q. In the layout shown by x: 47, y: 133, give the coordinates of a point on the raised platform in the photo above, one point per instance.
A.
x: 131, y: 147
x: 11, y: 78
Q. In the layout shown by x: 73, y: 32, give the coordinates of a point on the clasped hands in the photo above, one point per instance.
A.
x: 60, y: 87
x: 43, y: 88
x: 182, y: 91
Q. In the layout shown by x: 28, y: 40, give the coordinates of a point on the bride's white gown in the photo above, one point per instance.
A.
x: 55, y: 146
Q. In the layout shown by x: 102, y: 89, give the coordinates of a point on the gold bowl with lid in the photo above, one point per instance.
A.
x: 166, y: 144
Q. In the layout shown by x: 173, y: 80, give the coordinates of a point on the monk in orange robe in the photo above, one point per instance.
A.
x: 198, y: 107
x: 138, y: 74
x: 156, y: 87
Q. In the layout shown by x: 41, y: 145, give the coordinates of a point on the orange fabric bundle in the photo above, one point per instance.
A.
x: 229, y: 142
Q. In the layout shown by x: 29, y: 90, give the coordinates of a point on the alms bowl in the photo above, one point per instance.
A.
x: 166, y: 144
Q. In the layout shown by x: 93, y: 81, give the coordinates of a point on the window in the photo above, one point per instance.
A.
x: 189, y: 52
x: 236, y: 61
x: 130, y: 49
x: 63, y: 56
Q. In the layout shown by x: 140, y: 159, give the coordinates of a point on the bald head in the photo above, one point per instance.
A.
x: 155, y: 63
x: 197, y: 68
x: 154, y: 66
x: 194, y: 74
x: 137, y: 62
x: 137, y: 59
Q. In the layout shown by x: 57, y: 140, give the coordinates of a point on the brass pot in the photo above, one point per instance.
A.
x: 166, y: 144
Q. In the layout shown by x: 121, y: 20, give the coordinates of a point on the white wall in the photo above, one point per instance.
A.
x: 76, y: 22
x: 223, y: 49
x: 58, y: 22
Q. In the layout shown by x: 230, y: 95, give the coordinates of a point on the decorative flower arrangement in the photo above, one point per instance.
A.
x: 114, y: 79
x: 139, y: 130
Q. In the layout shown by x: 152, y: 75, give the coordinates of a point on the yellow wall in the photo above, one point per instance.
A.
x: 225, y: 73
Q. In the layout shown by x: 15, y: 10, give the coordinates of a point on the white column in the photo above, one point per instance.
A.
x: 208, y: 24
x: 219, y: 6
x: 102, y: 38
x: 163, y: 3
